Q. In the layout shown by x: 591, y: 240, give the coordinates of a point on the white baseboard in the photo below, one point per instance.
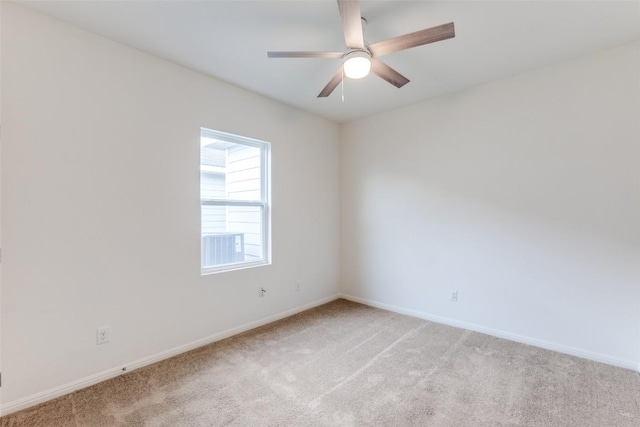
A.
x: 584, y: 354
x: 53, y: 393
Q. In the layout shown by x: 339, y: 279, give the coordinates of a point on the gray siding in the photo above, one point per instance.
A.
x: 214, y: 218
x: 243, y: 183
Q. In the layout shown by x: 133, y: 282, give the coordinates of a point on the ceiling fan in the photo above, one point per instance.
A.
x: 360, y: 59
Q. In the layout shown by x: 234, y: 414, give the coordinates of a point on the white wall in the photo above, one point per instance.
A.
x: 100, y: 187
x: 523, y: 195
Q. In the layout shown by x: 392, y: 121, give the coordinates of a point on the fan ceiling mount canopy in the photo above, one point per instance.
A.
x: 360, y: 59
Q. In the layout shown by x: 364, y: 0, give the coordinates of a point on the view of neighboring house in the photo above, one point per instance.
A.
x: 230, y: 172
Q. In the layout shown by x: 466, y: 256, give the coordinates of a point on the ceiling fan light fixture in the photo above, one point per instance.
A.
x: 357, y: 64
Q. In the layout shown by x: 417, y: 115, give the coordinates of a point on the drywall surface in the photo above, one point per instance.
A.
x: 101, y: 211
x: 523, y: 195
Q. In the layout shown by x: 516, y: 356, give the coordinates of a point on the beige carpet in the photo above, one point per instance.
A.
x: 345, y: 364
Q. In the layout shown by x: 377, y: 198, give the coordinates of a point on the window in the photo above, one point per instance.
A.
x: 234, y: 200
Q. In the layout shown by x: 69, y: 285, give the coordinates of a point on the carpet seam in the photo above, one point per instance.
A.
x: 445, y: 356
x: 322, y: 325
x: 318, y: 355
x: 386, y: 328
x: 314, y: 403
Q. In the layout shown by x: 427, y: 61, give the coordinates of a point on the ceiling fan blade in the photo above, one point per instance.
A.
x: 351, y: 23
x: 387, y: 73
x: 333, y: 83
x: 419, y: 38
x: 304, y: 54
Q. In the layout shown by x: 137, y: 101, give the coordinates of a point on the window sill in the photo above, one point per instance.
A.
x: 232, y: 267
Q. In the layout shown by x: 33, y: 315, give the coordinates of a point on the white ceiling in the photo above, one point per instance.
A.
x: 229, y: 40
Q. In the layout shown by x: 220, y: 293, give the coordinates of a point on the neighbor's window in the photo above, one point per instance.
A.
x: 234, y: 199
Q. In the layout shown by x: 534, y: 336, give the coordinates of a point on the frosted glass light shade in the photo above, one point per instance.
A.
x: 357, y: 64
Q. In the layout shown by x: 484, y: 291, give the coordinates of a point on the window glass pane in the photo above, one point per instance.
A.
x: 230, y: 171
x: 234, y: 201
x: 231, y: 234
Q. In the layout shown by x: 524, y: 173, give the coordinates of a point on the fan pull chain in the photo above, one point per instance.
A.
x: 342, y: 85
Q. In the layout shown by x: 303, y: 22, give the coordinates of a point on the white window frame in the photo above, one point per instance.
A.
x: 264, y: 203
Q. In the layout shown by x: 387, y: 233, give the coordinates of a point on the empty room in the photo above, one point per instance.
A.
x: 320, y: 213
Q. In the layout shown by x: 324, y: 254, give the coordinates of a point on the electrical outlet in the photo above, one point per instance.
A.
x: 454, y: 296
x: 103, y: 335
x: 261, y: 292
x: 298, y: 286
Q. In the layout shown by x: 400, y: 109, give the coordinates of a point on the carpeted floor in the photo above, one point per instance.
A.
x: 345, y: 364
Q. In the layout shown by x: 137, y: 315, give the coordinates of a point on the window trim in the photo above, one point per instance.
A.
x: 264, y: 203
